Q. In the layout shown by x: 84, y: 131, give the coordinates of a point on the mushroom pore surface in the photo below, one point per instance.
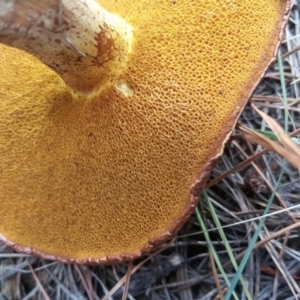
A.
x: 102, y: 178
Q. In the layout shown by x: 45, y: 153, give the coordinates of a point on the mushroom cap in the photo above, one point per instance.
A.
x: 106, y: 178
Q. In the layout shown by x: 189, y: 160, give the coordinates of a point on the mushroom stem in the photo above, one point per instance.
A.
x: 86, y: 45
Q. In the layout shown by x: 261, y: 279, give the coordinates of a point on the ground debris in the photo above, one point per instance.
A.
x: 143, y: 280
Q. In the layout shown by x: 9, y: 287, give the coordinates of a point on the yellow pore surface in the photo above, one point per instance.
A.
x: 101, y: 177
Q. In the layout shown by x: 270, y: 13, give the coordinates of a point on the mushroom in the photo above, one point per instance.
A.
x: 114, y: 115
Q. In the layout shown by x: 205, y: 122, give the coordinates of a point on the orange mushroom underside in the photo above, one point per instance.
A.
x: 106, y: 178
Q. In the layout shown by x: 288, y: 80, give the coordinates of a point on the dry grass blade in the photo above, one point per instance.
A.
x: 84, y: 283
x: 273, y: 99
x: 244, y: 163
x: 128, y: 274
x: 123, y: 279
x: 182, y: 275
x: 216, y: 277
x: 277, y: 273
x: 286, y: 148
x: 257, y: 138
x: 267, y: 182
x: 45, y: 295
x: 270, y: 237
x: 283, y: 138
x: 291, y: 52
x: 240, y: 166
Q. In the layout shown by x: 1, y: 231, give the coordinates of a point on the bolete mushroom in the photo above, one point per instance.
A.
x: 111, y: 123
